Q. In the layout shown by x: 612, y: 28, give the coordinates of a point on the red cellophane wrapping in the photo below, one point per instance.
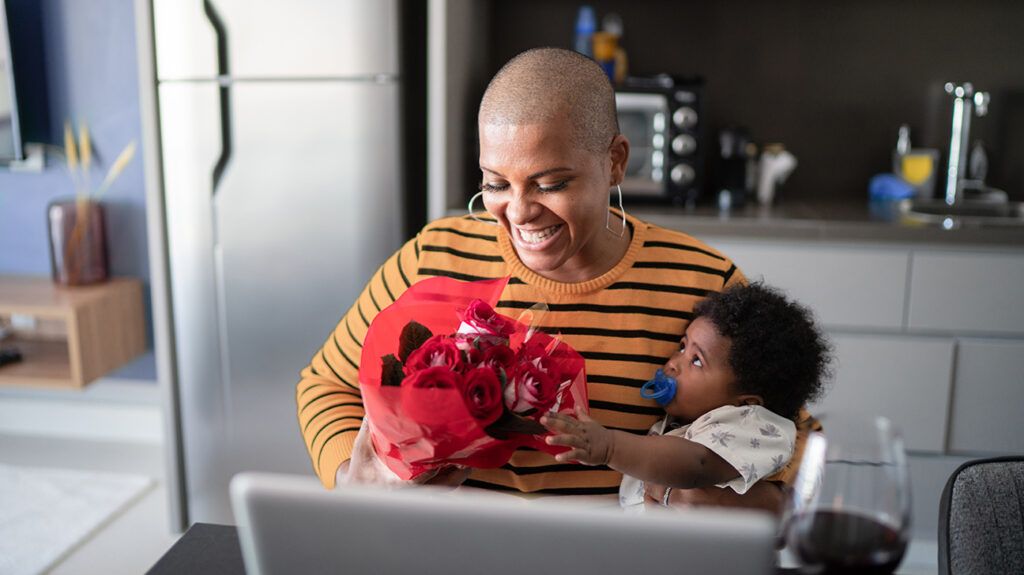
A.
x: 418, y: 429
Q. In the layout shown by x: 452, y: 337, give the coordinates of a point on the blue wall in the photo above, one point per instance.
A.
x: 92, y: 76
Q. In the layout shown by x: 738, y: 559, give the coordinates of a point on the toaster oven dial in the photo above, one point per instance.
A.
x: 682, y: 174
x: 684, y: 118
x: 684, y: 145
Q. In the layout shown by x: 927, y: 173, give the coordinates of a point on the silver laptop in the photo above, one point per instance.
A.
x: 290, y: 524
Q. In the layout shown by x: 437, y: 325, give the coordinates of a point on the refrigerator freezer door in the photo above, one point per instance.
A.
x: 308, y: 207
x: 191, y: 145
x: 276, y: 38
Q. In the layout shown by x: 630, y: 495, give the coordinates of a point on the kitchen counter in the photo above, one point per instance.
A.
x: 833, y: 221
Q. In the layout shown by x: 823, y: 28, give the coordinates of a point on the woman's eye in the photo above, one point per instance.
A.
x: 489, y: 187
x: 555, y: 187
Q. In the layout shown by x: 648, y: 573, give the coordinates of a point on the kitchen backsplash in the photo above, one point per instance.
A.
x: 831, y: 80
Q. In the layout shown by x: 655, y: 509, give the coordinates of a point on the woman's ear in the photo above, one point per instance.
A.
x: 618, y: 153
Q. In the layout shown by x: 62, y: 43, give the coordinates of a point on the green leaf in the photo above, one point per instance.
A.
x: 412, y: 337
x: 391, y: 372
x: 510, y: 423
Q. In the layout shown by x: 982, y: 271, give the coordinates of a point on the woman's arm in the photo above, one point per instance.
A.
x: 667, y: 460
x: 328, y: 399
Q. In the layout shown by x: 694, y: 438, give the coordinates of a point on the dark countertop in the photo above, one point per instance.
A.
x: 823, y: 221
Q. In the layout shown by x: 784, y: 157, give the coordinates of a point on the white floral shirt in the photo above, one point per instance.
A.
x: 755, y: 441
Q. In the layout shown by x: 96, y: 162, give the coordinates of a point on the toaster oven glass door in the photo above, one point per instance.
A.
x: 643, y: 119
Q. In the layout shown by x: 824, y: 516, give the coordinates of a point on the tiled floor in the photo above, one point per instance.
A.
x: 133, y: 541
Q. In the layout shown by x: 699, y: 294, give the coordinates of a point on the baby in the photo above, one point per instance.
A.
x: 747, y: 363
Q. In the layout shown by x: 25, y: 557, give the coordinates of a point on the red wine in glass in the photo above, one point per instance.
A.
x: 849, y: 510
x: 849, y: 542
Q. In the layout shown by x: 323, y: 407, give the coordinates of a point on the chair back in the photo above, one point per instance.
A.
x: 981, y: 518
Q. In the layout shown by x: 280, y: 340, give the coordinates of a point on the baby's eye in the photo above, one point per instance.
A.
x: 489, y: 187
x: 682, y: 348
x: 696, y: 361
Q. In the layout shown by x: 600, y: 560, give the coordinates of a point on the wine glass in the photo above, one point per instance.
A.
x: 849, y: 510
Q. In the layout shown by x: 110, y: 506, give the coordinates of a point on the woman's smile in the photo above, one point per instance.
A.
x: 537, y: 239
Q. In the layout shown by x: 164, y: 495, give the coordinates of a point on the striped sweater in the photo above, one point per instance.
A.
x: 625, y: 323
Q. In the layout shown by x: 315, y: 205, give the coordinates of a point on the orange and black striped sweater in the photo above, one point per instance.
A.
x: 625, y: 323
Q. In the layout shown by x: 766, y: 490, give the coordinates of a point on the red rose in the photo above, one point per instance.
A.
x: 530, y: 387
x: 498, y: 356
x: 439, y: 377
x: 536, y: 352
x: 472, y: 357
x: 426, y: 393
x: 482, y: 393
x: 485, y: 321
x: 437, y: 351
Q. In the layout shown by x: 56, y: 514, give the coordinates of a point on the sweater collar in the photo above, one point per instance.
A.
x: 518, y: 269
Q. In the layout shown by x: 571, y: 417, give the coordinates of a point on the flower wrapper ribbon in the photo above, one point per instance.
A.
x: 425, y: 422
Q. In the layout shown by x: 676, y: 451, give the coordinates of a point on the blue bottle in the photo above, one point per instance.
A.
x: 586, y: 25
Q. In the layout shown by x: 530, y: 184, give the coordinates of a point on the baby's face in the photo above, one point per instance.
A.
x: 704, y: 378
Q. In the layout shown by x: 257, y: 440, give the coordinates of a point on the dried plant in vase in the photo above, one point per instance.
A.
x: 77, y: 228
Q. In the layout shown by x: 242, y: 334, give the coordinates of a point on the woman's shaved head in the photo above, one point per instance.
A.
x: 544, y: 83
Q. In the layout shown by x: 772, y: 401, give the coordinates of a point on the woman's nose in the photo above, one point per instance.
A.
x: 521, y: 209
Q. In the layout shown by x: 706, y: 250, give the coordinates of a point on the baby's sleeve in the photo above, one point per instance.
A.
x: 754, y: 440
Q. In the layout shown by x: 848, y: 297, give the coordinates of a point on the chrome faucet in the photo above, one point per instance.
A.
x: 964, y: 99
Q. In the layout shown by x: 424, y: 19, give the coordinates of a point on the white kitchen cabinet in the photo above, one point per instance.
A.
x: 988, y: 397
x: 846, y: 286
x: 906, y: 379
x: 928, y: 476
x: 967, y: 292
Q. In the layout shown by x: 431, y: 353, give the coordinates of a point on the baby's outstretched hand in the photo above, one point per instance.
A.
x: 589, y: 442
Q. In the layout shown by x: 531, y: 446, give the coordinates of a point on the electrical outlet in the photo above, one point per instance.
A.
x: 23, y: 322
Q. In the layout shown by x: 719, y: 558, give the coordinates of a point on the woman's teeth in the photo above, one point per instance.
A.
x: 536, y: 237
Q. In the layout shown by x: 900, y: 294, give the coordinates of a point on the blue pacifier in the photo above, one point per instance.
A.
x: 660, y: 388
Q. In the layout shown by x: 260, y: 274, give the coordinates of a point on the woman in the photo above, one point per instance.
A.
x: 620, y: 291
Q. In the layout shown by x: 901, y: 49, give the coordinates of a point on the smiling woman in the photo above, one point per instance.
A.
x: 619, y: 291
x: 555, y: 216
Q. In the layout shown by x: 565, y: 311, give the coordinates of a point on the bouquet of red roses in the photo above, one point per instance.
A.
x: 447, y: 380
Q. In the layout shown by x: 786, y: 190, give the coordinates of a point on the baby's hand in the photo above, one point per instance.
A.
x: 590, y: 443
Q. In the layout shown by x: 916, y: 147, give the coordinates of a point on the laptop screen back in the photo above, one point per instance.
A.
x: 290, y: 524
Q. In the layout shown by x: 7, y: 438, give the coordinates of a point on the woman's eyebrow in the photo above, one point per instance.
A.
x: 540, y: 174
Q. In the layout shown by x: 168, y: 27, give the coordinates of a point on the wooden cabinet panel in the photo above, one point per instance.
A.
x: 967, y: 292
x: 81, y: 332
x: 845, y: 286
x: 988, y: 397
x: 906, y: 379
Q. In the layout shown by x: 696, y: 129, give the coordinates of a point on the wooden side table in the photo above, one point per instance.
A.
x: 69, y: 336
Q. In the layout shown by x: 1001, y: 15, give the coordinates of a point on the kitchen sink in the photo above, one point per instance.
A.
x: 964, y: 213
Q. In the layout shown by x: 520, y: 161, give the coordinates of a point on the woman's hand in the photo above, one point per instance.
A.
x: 366, y: 468
x: 763, y: 495
x: 590, y: 443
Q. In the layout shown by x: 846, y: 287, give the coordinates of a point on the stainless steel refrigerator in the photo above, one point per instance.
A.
x: 277, y: 161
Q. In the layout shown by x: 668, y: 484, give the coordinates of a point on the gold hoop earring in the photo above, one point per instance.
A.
x: 473, y: 215
x: 608, y: 216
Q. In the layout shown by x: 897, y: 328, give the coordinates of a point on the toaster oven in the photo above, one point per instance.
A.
x: 661, y: 117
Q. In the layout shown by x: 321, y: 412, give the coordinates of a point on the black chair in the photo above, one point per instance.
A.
x: 981, y: 518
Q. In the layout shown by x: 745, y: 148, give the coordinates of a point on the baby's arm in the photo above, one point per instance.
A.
x: 663, y: 459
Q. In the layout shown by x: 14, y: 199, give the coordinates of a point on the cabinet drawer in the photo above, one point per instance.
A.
x: 970, y: 292
x: 845, y: 286
x: 906, y: 379
x: 988, y: 397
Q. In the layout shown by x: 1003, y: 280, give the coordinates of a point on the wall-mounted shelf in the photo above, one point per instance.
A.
x: 69, y: 336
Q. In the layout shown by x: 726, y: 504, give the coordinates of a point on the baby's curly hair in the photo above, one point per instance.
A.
x: 777, y: 352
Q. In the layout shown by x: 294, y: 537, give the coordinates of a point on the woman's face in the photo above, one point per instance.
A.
x: 552, y: 197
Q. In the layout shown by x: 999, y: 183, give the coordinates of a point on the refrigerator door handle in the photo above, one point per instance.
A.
x: 224, y: 78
